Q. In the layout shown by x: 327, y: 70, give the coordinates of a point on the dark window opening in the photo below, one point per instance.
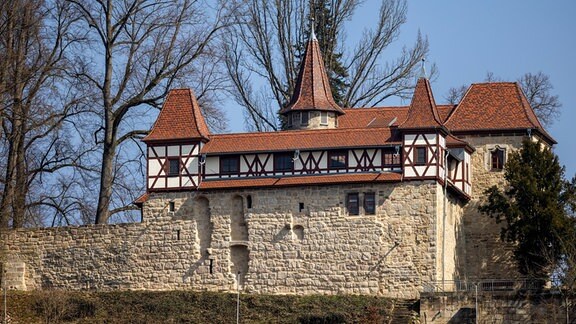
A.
x: 295, y: 118
x: 171, y: 206
x: 352, y: 204
x: 338, y: 159
x: 497, y: 159
x: 249, y: 201
x: 370, y: 203
x: 173, y: 167
x: 211, y: 266
x: 300, y: 207
x: 283, y: 162
x: 177, y: 235
x: 304, y: 118
x: 420, y: 156
x: 229, y: 164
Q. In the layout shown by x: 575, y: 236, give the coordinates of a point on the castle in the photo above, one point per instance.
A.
x: 372, y: 201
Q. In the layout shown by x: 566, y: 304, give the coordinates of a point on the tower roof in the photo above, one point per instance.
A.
x: 495, y: 106
x: 312, y: 90
x: 422, y: 112
x: 179, y: 119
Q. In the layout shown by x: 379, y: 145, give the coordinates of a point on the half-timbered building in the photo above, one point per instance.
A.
x: 355, y: 200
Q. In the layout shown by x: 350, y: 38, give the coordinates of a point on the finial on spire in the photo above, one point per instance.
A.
x: 312, y: 33
x: 423, y: 67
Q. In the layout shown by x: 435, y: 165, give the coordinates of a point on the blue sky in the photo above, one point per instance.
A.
x: 509, y: 38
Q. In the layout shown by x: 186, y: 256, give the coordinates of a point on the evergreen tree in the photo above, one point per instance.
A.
x: 535, y: 206
x: 327, y: 35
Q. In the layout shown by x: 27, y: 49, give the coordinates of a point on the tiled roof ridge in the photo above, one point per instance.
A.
x: 312, y: 84
x: 201, y: 125
x: 299, y: 132
x: 527, y: 108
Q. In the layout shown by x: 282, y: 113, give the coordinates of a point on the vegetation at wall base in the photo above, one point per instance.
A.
x: 201, y: 307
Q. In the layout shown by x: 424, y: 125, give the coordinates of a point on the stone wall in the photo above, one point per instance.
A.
x: 486, y: 257
x: 296, y: 240
x: 495, y: 307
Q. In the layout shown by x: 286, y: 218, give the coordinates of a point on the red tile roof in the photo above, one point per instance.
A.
x: 299, y: 140
x: 494, y: 106
x: 312, y: 89
x: 142, y: 199
x: 372, y: 117
x: 453, y: 141
x: 422, y: 112
x: 180, y: 118
x: 301, y: 180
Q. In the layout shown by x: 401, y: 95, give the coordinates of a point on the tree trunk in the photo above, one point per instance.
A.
x: 106, y: 177
x: 21, y: 188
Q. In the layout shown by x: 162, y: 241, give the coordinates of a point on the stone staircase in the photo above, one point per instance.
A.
x: 405, y: 311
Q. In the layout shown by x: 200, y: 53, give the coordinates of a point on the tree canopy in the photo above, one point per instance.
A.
x: 265, y: 44
x: 536, y: 207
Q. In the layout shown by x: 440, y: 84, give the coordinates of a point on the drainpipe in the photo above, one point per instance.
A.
x: 444, y: 221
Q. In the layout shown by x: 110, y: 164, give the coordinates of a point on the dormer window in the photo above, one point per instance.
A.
x: 295, y: 118
x: 497, y: 157
x: 304, y: 118
x: 324, y: 118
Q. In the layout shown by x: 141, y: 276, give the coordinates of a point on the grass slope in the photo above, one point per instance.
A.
x: 195, y: 307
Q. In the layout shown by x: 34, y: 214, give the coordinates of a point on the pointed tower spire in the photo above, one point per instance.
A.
x: 422, y: 113
x: 312, y: 89
x: 179, y: 119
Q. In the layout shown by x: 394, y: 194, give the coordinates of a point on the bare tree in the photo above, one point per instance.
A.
x: 455, y: 95
x: 35, y: 100
x: 137, y: 51
x: 537, y: 88
x: 263, y: 46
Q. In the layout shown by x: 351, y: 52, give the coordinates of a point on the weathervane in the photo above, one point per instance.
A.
x: 423, y: 67
x: 312, y: 33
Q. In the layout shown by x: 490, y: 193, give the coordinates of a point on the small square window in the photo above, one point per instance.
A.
x: 352, y: 203
x: 370, y: 203
x: 338, y: 159
x: 323, y: 118
x: 304, y: 118
x: 283, y: 162
x: 229, y: 164
x: 173, y: 167
x: 497, y: 157
x: 420, y: 156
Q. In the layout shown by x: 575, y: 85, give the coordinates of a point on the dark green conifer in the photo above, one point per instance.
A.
x: 535, y: 207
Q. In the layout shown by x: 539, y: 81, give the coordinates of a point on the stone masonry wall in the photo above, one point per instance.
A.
x: 300, y: 241
x: 496, y: 307
x: 487, y: 257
